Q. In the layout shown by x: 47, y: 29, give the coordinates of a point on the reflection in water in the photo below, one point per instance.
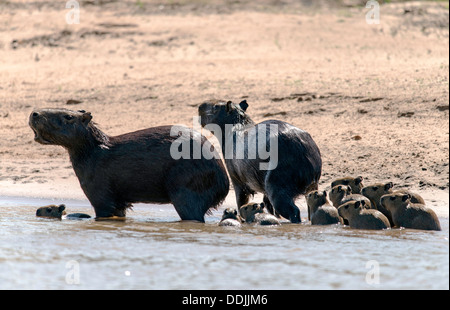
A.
x: 152, y: 249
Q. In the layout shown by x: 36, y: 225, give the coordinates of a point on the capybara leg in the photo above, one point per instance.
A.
x: 189, y: 212
x: 189, y: 205
x: 268, y: 205
x: 284, y: 205
x: 242, y: 197
x: 106, y: 208
x: 287, y: 209
x: 281, y: 195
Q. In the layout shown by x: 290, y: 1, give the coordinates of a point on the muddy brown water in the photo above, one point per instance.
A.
x: 152, y: 249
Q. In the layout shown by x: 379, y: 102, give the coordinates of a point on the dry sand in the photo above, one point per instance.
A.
x: 374, y: 97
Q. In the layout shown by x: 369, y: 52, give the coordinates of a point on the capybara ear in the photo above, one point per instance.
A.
x: 349, y: 189
x: 62, y: 208
x: 325, y: 193
x: 86, y: 118
x: 262, y: 205
x: 339, y: 189
x: 406, y: 197
x: 244, y: 105
x: 358, y: 180
x: 388, y: 185
x: 357, y: 204
x: 229, y: 106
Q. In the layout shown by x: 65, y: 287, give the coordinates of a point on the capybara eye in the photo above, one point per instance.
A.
x: 68, y: 117
x: 393, y: 198
x: 346, y: 207
x: 375, y: 188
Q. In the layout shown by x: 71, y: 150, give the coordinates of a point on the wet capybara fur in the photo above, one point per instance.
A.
x: 375, y: 191
x: 254, y: 213
x: 341, y: 194
x: 230, y: 217
x: 77, y: 216
x: 355, y: 213
x: 52, y: 211
x: 355, y: 183
x: 298, y: 164
x: 408, y: 214
x: 249, y: 210
x: 116, y: 171
x: 320, y: 210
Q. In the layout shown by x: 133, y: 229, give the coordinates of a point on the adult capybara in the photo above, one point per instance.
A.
x: 272, y: 157
x: 116, y: 171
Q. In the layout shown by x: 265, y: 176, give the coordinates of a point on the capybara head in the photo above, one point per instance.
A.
x: 375, y: 191
x: 51, y: 211
x: 395, y: 200
x: 316, y: 199
x: 355, y: 183
x: 338, y: 192
x: 249, y: 210
x: 351, y: 208
x: 63, y: 127
x: 230, y: 213
x: 221, y: 112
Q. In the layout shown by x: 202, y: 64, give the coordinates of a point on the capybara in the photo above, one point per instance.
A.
x: 77, y: 216
x: 341, y: 194
x: 254, y: 213
x: 54, y: 211
x: 322, y: 212
x: 116, y: 171
x: 355, y: 183
x: 375, y: 191
x: 230, y: 217
x: 272, y: 157
x: 361, y: 218
x: 409, y: 215
x: 248, y: 211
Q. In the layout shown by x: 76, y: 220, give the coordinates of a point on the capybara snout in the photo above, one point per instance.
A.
x: 58, y: 126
